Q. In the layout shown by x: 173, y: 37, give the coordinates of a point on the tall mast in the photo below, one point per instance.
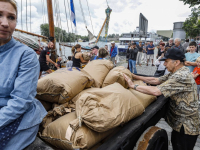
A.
x: 101, y: 30
x: 51, y: 22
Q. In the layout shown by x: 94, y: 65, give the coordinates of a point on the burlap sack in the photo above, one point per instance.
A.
x: 83, y: 138
x: 81, y: 93
x: 106, y: 108
x: 145, y: 99
x: 54, y: 133
x: 116, y: 75
x: 62, y: 85
x: 98, y: 70
x: 86, y: 56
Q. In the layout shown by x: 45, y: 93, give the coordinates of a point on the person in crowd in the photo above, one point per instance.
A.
x: 178, y: 44
x: 113, y: 52
x: 44, y: 58
x: 108, y: 56
x: 94, y: 52
x: 195, y: 74
x: 69, y: 62
x: 59, y: 62
x: 186, y: 44
x: 182, y: 114
x: 139, y: 55
x: 103, y: 53
x: 158, y: 47
x: 78, y: 56
x: 144, y: 54
x: 162, y: 49
x: 20, y: 112
x: 170, y: 43
x: 161, y: 69
x: 150, y: 53
x: 132, y: 56
x: 191, y: 57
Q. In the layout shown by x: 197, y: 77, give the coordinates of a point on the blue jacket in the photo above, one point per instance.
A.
x: 114, y: 52
x: 19, y: 68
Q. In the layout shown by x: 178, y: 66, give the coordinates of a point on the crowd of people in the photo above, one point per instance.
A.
x: 21, y: 114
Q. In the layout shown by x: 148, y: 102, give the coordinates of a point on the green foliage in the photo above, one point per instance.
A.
x: 61, y: 35
x: 191, y: 2
x: 192, y: 24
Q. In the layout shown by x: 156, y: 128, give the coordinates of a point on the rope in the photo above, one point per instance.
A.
x: 66, y: 18
x: 43, y: 10
x: 83, y: 13
x: 107, y: 2
x: 60, y: 22
x: 26, y: 17
x: 21, y: 16
x: 30, y: 15
x: 70, y: 15
x: 90, y: 17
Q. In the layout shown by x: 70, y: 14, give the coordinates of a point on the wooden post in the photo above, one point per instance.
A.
x: 101, y: 30
x: 51, y: 23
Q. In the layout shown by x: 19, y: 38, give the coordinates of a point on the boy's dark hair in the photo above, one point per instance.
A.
x: 70, y: 57
x: 193, y: 44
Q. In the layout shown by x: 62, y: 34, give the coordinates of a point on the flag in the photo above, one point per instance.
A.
x: 73, y: 18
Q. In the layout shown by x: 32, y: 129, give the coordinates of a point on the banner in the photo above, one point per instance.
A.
x: 73, y: 17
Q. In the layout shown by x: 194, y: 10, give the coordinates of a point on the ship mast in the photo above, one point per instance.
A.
x: 51, y: 23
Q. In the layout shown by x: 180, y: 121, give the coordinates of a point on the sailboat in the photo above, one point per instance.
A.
x: 36, y: 41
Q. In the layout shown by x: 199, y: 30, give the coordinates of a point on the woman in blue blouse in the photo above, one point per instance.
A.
x: 20, y: 112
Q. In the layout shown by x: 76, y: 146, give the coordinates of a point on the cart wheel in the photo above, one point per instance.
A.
x: 154, y: 138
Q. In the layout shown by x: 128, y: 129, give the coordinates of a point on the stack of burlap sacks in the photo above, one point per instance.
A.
x: 88, y: 104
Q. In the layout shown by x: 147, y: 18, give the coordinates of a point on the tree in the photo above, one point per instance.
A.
x: 61, y: 35
x: 191, y: 2
x: 192, y: 24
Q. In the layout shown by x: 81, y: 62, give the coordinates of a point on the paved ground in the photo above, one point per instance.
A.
x: 150, y: 70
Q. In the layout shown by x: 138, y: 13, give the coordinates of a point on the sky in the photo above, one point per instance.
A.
x: 124, y: 18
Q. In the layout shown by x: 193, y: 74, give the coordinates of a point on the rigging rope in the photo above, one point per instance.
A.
x: 83, y: 13
x: 70, y: 21
x: 90, y: 17
x: 60, y: 22
x: 107, y: 2
x: 67, y: 19
x: 21, y: 16
x: 43, y: 10
x: 30, y: 15
x: 26, y: 17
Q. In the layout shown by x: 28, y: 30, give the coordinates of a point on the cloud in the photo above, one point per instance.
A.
x: 161, y: 14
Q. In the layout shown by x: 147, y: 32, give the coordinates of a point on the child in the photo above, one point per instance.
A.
x: 102, y: 53
x: 70, y: 62
x: 196, y: 73
x: 191, y: 57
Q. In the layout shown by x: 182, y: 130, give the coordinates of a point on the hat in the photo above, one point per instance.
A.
x: 175, y: 54
x: 140, y: 41
x: 113, y: 42
x: 97, y: 47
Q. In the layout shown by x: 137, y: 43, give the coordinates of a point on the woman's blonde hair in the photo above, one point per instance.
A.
x: 75, y: 47
x: 198, y: 59
x: 103, y: 52
x: 13, y: 3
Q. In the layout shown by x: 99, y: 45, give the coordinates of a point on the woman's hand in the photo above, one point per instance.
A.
x: 128, y: 80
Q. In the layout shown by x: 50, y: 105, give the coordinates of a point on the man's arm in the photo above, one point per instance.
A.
x: 151, y: 90
x: 150, y: 80
x: 49, y: 60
